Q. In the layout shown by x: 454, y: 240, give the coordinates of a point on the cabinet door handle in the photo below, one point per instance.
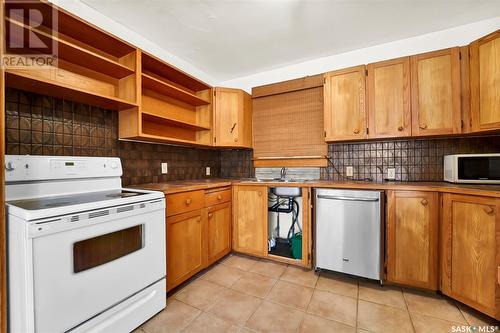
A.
x: 260, y: 193
x: 198, y: 219
x: 232, y: 128
x: 424, y: 202
x: 423, y: 126
x: 188, y: 202
x: 356, y: 131
x: 219, y: 197
x: 210, y: 215
x: 489, y: 210
x: 400, y: 128
x: 235, y: 139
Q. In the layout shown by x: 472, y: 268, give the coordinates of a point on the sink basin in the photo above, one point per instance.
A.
x: 285, y: 191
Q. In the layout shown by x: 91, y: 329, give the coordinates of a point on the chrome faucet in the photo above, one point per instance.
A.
x: 283, y: 174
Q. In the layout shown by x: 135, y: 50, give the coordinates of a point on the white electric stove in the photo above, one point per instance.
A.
x: 84, y: 254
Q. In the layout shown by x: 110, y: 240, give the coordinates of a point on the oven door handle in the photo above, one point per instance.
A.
x: 343, y: 198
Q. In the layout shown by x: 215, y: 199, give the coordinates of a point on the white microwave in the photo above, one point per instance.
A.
x: 472, y: 168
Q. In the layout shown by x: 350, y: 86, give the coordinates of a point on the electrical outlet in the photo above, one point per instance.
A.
x: 164, y: 167
x: 207, y: 171
x: 391, y: 173
x: 349, y: 171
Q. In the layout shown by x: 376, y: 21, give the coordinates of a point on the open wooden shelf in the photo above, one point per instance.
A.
x: 172, y: 122
x: 92, y: 67
x: 78, y: 55
x: 79, y: 30
x: 164, y: 88
x: 163, y: 139
x: 25, y: 80
x: 153, y: 65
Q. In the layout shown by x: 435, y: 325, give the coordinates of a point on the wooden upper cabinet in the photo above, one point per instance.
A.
x: 412, y: 238
x: 250, y: 219
x: 218, y: 231
x: 469, y: 251
x: 485, y: 82
x: 388, y: 86
x: 344, y: 104
x: 436, y: 93
x: 233, y: 118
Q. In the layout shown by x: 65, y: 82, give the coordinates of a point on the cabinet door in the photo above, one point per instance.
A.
x: 484, y: 82
x: 250, y: 220
x: 219, y: 231
x: 388, y: 86
x: 185, y: 247
x: 470, y: 253
x: 412, y: 244
x: 344, y: 104
x: 436, y: 93
x: 228, y: 103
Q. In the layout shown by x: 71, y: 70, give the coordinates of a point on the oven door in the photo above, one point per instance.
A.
x: 81, y: 272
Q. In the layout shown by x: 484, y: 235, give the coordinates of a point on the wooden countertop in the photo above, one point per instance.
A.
x: 185, y: 185
x: 201, y: 184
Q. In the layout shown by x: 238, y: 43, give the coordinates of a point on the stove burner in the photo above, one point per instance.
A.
x: 122, y: 195
x: 57, y: 204
x: 73, y: 199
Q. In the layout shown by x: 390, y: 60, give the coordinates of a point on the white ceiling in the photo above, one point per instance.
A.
x: 228, y: 39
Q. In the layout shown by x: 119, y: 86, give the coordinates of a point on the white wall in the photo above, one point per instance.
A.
x: 457, y: 36
x: 93, y: 16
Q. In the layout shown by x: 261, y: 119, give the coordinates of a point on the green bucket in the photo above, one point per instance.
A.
x: 297, y: 246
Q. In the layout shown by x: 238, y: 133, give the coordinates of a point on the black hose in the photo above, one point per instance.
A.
x: 295, y: 220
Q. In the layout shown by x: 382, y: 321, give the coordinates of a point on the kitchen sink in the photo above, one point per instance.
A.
x: 287, y: 191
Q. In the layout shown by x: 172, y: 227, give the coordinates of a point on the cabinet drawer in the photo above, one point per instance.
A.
x: 217, y: 197
x: 185, y: 202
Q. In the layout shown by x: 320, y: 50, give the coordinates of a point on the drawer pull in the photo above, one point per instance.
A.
x: 219, y: 197
x: 260, y: 193
x: 188, y: 202
x: 489, y: 210
x: 424, y: 202
x: 400, y: 128
x: 210, y: 215
x: 423, y: 126
x: 356, y: 131
x: 198, y: 219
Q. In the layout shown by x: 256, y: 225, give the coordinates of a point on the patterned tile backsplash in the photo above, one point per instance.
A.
x: 413, y: 159
x: 41, y: 125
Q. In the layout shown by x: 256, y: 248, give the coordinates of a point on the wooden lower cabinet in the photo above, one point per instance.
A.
x: 218, y: 231
x: 199, y: 237
x: 412, y: 238
x: 470, y: 251
x: 185, y: 247
x: 250, y: 219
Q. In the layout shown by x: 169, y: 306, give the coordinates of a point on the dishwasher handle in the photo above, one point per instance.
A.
x: 344, y: 198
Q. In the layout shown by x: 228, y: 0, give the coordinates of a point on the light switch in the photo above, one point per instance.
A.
x: 391, y: 173
x: 164, y: 167
x: 207, y: 171
x: 349, y: 171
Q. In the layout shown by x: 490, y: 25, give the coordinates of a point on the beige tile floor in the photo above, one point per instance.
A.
x: 242, y: 294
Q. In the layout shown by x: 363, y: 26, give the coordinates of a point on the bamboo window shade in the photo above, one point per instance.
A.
x: 288, y: 125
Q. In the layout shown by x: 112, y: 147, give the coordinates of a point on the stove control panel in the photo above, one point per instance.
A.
x: 33, y: 168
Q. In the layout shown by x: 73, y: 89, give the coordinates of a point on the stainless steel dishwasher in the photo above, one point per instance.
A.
x: 349, y: 232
